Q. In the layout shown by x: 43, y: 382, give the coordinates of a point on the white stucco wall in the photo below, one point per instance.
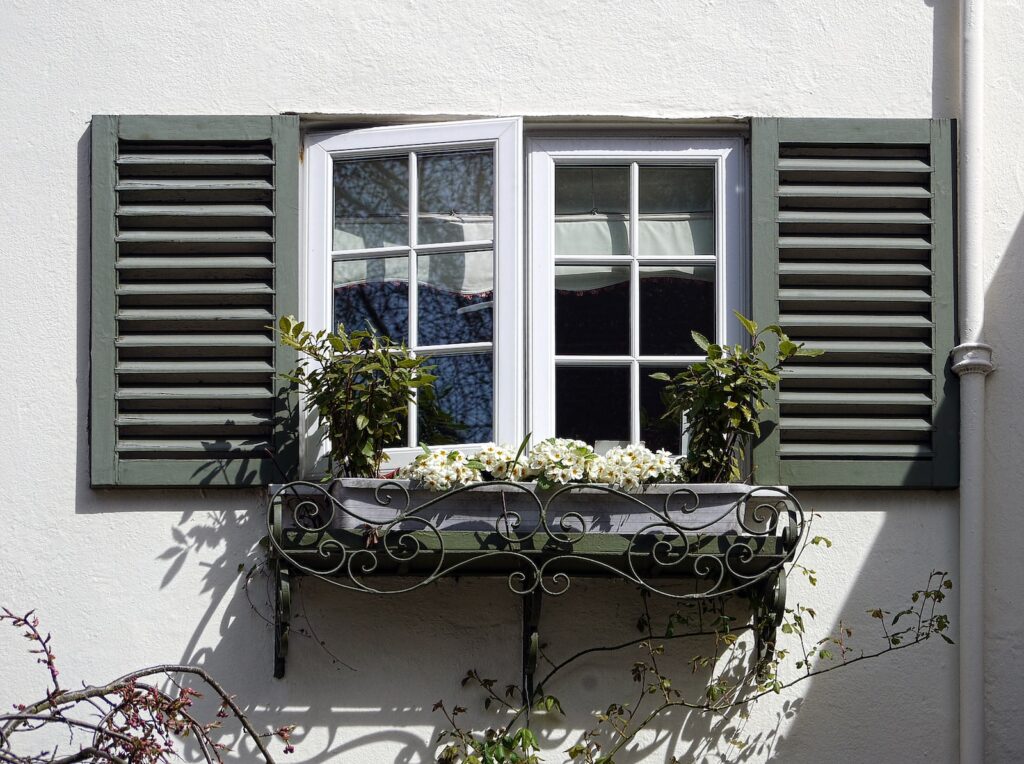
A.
x: 124, y: 578
x: 1004, y: 240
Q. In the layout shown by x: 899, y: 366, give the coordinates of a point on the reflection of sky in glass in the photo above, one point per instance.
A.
x: 459, y: 410
x: 454, y: 290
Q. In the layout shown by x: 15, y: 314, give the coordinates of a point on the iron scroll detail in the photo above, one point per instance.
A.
x: 383, y: 537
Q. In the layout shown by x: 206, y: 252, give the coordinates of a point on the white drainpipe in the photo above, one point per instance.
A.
x: 972, y: 360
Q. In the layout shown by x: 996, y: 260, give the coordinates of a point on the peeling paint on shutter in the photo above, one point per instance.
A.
x: 853, y: 253
x: 194, y: 254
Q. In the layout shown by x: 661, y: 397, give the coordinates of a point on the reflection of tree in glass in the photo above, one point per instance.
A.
x: 460, y: 182
x: 444, y: 317
x: 463, y: 401
x: 436, y: 426
x: 371, y: 188
x: 455, y: 290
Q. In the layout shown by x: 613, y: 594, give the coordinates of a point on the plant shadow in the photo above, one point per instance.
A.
x: 364, y: 671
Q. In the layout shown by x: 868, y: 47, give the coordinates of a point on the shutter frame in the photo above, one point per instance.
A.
x: 843, y: 470
x: 277, y: 414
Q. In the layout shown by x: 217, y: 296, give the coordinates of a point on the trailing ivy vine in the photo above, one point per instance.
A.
x: 798, y: 658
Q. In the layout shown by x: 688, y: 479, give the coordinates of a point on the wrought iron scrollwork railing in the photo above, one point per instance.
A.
x: 382, y: 537
x: 320, y: 533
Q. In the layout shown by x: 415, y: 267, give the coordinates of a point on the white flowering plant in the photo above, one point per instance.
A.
x: 551, y: 462
x: 441, y: 470
x: 633, y: 466
x: 500, y: 462
x: 560, y: 460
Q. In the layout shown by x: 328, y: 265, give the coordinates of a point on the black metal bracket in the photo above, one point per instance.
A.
x: 769, y: 612
x: 282, y: 614
x: 531, y: 642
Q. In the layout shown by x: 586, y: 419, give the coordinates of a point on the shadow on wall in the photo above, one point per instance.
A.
x: 367, y: 693
x: 901, y: 706
x: 395, y: 656
x: 1004, y: 523
x: 945, y: 58
x: 398, y: 655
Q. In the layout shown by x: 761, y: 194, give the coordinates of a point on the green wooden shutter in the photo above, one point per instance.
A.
x: 194, y: 253
x: 853, y: 247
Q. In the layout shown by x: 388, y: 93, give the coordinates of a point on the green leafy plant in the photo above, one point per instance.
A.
x: 361, y: 384
x: 495, y: 746
x: 722, y: 398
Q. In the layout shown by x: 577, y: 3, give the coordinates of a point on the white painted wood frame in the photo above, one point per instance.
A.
x: 731, y: 259
x: 505, y: 137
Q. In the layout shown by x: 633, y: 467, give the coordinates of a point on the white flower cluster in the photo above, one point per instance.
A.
x: 500, y: 461
x: 552, y: 461
x: 632, y: 466
x: 560, y: 460
x: 441, y: 470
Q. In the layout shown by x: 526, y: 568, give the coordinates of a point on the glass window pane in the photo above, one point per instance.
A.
x: 591, y: 310
x: 677, y: 211
x: 456, y: 196
x: 371, y: 203
x: 591, y: 210
x: 673, y: 302
x: 459, y: 408
x: 455, y: 298
x: 592, y: 403
x: 372, y: 294
x: 656, y: 432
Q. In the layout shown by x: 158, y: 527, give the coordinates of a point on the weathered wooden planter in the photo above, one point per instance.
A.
x: 511, y: 507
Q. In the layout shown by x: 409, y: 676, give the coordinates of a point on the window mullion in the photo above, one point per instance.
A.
x: 412, y: 428
x: 634, y: 302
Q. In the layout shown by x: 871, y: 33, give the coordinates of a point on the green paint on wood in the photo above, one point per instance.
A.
x: 845, y: 278
x: 103, y: 466
x: 229, y: 201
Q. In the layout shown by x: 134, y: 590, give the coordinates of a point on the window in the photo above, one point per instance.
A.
x: 200, y: 239
x: 634, y: 244
x: 415, y: 231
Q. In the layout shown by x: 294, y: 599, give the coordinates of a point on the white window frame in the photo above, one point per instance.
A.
x: 731, y: 257
x: 505, y: 137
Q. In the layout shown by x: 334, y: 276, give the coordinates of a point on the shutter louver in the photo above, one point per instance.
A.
x: 853, y: 252
x: 195, y: 252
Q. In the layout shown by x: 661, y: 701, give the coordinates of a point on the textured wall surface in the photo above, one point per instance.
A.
x: 124, y: 578
x: 1004, y: 241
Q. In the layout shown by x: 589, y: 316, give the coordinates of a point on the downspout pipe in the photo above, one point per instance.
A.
x: 972, y: 361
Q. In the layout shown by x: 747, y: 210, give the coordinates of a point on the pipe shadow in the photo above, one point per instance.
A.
x: 1004, y: 438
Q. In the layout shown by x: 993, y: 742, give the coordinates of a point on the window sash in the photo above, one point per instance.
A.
x: 504, y: 137
x: 730, y: 260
